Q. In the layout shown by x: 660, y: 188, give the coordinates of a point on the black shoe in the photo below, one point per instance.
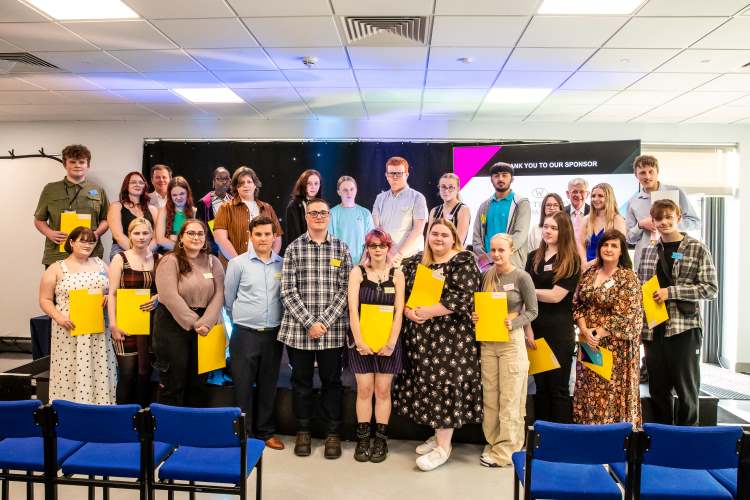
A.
x: 379, y: 444
x: 302, y: 445
x: 332, y: 446
x: 362, y: 451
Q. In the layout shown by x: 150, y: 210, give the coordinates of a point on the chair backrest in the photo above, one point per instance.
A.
x: 692, y: 447
x: 96, y: 423
x: 17, y: 419
x: 581, y: 444
x: 200, y: 427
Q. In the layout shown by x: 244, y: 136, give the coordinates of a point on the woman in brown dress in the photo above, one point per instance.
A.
x: 607, y: 308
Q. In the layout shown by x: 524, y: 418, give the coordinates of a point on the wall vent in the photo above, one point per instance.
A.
x: 386, y: 30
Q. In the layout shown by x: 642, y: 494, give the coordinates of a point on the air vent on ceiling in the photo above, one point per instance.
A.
x: 386, y: 30
x: 746, y: 66
x: 23, y: 62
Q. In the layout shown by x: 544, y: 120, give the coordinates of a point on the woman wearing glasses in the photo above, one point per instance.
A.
x: 132, y: 204
x: 551, y: 204
x: 191, y: 292
x: 452, y: 208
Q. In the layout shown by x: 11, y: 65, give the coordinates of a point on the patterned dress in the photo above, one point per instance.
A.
x: 441, y: 385
x: 83, y: 368
x: 614, y: 305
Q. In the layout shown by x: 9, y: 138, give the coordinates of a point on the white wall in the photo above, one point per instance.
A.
x: 117, y: 148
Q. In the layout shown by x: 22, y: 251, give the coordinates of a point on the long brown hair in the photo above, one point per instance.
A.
x: 568, y: 262
x: 183, y: 263
x: 299, y: 191
x: 125, y: 197
x: 610, y: 210
x: 189, y: 210
x: 427, y: 257
x: 542, y: 212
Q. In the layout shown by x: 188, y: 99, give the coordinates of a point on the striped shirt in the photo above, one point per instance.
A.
x: 314, y: 281
x: 234, y: 217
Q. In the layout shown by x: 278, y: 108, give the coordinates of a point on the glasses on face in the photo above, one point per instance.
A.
x: 136, y: 182
x: 395, y: 175
x: 377, y: 246
x: 195, y: 234
x: 551, y: 205
x: 447, y: 188
x: 315, y: 214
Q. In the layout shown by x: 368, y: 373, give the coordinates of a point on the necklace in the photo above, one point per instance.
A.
x: 381, y: 277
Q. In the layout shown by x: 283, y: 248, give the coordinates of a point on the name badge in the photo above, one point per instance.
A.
x: 677, y: 255
x: 508, y: 287
x: 609, y: 284
x: 548, y: 267
x: 335, y: 263
x: 389, y: 290
x: 208, y: 276
x: 277, y: 276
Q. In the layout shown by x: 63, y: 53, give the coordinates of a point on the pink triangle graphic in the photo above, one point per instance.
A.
x: 468, y: 160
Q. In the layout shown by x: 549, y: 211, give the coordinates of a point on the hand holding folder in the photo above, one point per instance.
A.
x: 375, y: 323
x: 605, y: 369
x: 131, y: 319
x: 656, y: 313
x: 70, y: 221
x: 542, y: 359
x: 212, y: 349
x: 86, y: 311
x: 492, y: 309
x: 427, y: 289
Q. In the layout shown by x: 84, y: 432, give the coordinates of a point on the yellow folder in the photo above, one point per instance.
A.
x: 130, y: 318
x: 375, y: 323
x: 70, y: 221
x: 211, y: 225
x: 492, y: 309
x: 86, y: 311
x: 427, y: 289
x: 604, y: 371
x: 655, y: 313
x: 542, y: 359
x: 212, y: 350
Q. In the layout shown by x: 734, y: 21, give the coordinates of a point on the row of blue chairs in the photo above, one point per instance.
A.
x: 158, y: 448
x: 612, y: 462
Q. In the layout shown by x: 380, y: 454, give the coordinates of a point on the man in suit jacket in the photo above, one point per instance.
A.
x: 578, y: 191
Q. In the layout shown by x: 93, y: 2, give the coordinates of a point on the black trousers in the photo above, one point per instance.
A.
x: 254, y: 359
x: 177, y: 361
x: 329, y: 371
x: 132, y: 387
x: 674, y: 363
x: 552, y: 399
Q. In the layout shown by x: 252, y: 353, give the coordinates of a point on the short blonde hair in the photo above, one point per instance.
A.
x: 343, y: 179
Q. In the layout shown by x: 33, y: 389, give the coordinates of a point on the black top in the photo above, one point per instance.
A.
x: 126, y: 217
x: 452, y: 216
x: 382, y: 293
x: 669, y: 250
x: 295, y: 224
x: 554, y: 316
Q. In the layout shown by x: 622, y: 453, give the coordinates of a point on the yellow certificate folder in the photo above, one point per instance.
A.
x: 212, y: 350
x: 375, y: 323
x: 130, y: 317
x: 604, y: 371
x: 492, y: 309
x: 542, y: 359
x: 427, y: 289
x: 656, y: 313
x: 86, y: 311
x: 70, y: 221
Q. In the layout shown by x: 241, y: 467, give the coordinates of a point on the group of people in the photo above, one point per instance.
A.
x: 570, y: 272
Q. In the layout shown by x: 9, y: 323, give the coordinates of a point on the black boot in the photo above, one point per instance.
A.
x: 380, y: 444
x: 362, y: 451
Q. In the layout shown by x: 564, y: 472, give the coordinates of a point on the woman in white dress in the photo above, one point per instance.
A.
x: 83, y: 368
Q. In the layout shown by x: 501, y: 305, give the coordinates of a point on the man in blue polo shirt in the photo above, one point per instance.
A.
x: 503, y: 212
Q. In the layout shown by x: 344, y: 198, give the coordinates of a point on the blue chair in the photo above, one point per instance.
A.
x: 212, y: 447
x: 737, y: 480
x: 676, y: 461
x: 114, y: 446
x: 23, y: 446
x: 566, y: 461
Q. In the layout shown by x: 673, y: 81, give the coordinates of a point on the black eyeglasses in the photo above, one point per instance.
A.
x: 395, y: 175
x: 315, y: 214
x: 195, y: 234
x: 377, y: 246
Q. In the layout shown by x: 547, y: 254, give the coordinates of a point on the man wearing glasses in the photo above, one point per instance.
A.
x: 401, y: 211
x: 314, y: 281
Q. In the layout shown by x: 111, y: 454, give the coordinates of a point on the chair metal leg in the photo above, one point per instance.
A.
x: 516, y: 482
x: 29, y: 487
x: 6, y: 487
x: 170, y: 493
x: 105, y: 489
x: 259, y: 478
x: 191, y: 493
x: 92, y: 491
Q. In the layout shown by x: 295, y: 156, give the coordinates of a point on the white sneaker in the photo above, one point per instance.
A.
x: 433, y: 459
x: 427, y: 446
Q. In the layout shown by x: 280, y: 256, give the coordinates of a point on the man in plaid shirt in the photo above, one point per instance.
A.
x: 314, y: 281
x: 686, y: 273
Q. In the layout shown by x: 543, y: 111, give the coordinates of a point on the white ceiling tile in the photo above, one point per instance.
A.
x: 614, y: 113
x: 12, y: 11
x: 270, y: 96
x: 252, y: 79
x: 294, y: 31
x: 531, y: 79
x: 60, y: 82
x: 207, y: 33
x: 371, y: 78
x: 692, y: 8
x: 285, y: 8
x: 483, y: 58
x: 285, y: 110
x: 663, y: 32
x: 643, y: 97
x: 380, y: 7
x: 351, y: 110
x: 553, y: 117
x: 157, y: 60
x: 568, y: 110
x: 184, y: 79
x: 123, y: 81
x: 29, y: 97
x: 150, y: 96
x: 699, y: 99
x: 182, y: 110
x: 601, y: 80
x: 391, y: 96
x: 90, y: 97
x: 121, y: 35
x: 77, y: 112
x: 477, y: 31
x: 439, y: 108
x: 536, y: 59
x: 230, y: 110
x: 745, y: 101
x: 448, y: 116
x: 320, y: 77
x: 183, y: 9
x: 578, y: 97
x: 707, y: 61
x: 468, y: 96
x: 570, y: 31
x: 628, y: 59
x: 486, y: 7
x: 732, y: 35
x: 673, y: 81
x: 84, y: 62
x: 393, y: 110
x: 38, y: 37
x: 729, y: 82
x: 328, y: 96
x: 503, y: 113
x: 723, y: 114
x: 233, y: 59
x: 291, y: 57
x: 9, y: 47
x: 460, y: 79
x: 388, y: 57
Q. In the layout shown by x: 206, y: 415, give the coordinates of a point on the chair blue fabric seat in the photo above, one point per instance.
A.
x: 567, y: 481
x: 213, y: 465
x: 665, y: 483
x: 27, y: 453
x: 97, y: 459
x: 727, y: 478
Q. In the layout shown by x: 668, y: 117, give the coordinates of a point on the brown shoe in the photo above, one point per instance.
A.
x: 302, y: 444
x: 275, y: 443
x: 332, y: 447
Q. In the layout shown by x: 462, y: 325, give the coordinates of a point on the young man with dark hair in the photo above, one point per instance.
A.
x: 208, y: 206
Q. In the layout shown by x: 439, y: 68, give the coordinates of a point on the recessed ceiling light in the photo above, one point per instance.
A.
x: 589, y: 6
x: 67, y: 10
x: 516, y: 95
x: 209, y: 96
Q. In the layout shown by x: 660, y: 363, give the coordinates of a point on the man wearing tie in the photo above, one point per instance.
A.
x: 578, y: 191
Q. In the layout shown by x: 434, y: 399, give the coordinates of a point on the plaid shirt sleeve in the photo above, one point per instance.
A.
x: 338, y: 306
x: 696, y: 276
x: 290, y: 294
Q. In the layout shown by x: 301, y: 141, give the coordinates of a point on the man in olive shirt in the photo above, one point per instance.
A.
x: 72, y: 194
